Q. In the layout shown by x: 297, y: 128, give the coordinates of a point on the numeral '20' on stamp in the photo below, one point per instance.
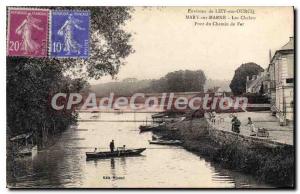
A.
x: 70, y: 33
x: 27, y: 32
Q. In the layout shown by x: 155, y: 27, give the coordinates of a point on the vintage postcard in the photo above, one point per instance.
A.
x: 150, y: 97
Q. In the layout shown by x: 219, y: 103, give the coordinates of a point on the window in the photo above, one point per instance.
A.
x: 290, y: 80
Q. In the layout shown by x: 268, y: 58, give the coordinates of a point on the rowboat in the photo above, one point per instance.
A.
x: 144, y: 128
x: 28, y: 151
x: 155, y: 127
x: 23, y: 145
x: 166, y: 142
x: 120, y: 153
x: 156, y: 137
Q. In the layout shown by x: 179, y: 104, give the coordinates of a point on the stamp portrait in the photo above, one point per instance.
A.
x: 27, y: 32
x: 69, y: 34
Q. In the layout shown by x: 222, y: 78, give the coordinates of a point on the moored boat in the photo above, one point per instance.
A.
x: 27, y: 151
x: 156, y: 137
x: 154, y: 127
x: 166, y: 142
x: 23, y: 145
x: 163, y: 117
x: 144, y: 128
x: 119, y: 153
x: 94, y: 117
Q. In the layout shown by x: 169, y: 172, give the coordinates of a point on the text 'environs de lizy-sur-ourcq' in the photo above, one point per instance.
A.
x: 220, y: 17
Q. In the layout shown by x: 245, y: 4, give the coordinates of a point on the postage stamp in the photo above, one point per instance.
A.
x: 27, y: 32
x: 69, y: 34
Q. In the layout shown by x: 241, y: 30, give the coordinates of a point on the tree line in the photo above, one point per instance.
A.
x: 177, y: 81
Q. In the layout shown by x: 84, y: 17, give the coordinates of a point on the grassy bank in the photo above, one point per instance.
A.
x: 270, y: 165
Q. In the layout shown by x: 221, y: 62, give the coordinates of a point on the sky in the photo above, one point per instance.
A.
x: 164, y: 41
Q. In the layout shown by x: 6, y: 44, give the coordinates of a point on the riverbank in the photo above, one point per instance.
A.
x: 269, y: 164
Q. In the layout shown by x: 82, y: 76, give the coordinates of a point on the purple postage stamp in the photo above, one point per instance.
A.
x: 27, y: 32
x: 70, y: 32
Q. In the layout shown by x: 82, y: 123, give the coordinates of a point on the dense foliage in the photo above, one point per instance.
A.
x: 30, y: 84
x: 238, y: 83
x: 32, y: 81
x: 180, y: 81
x: 177, y: 81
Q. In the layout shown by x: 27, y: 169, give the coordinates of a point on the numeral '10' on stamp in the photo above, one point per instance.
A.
x: 69, y: 33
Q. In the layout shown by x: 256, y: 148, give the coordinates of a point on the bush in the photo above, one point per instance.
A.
x: 270, y: 165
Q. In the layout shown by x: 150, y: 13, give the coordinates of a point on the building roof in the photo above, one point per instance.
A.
x: 255, y: 83
x: 289, y: 45
x: 287, y: 48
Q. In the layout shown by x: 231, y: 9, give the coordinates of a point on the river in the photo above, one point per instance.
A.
x: 64, y: 165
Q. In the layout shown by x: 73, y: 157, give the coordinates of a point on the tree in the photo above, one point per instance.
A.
x: 185, y: 81
x: 32, y: 81
x: 238, y: 83
x: 178, y: 81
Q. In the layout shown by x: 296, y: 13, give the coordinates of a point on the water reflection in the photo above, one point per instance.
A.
x: 65, y: 164
x: 112, y: 163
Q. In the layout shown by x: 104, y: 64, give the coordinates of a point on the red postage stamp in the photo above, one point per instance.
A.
x: 27, y: 32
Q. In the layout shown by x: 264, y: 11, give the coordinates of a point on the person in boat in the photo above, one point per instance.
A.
x: 95, y: 150
x: 112, y: 146
x: 121, y: 149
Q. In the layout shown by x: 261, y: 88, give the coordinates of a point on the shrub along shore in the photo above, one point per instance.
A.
x: 270, y: 165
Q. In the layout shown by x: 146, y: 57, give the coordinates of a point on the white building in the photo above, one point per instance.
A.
x: 281, y: 72
x: 254, y: 84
